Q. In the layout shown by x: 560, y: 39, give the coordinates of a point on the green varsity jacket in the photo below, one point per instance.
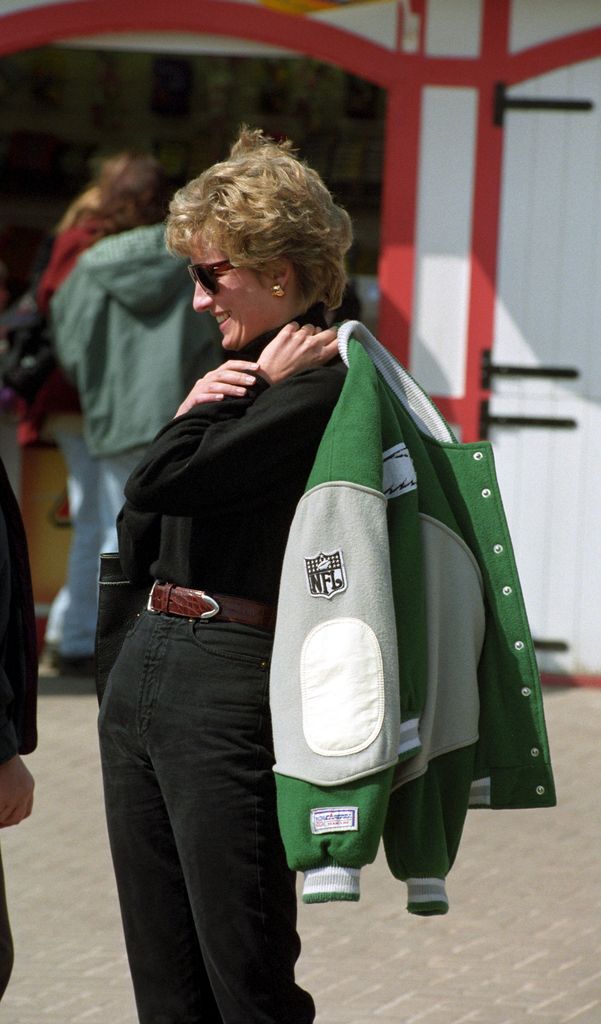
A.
x: 404, y: 686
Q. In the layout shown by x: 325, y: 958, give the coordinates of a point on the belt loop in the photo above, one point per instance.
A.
x: 170, y: 587
x: 149, y: 607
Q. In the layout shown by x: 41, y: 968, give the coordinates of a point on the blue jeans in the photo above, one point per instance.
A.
x: 95, y: 490
x: 71, y: 622
x: 113, y: 471
x: 207, y: 901
x: 6, y: 941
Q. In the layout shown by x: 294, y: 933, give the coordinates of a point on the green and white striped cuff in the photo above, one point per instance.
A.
x: 426, y: 896
x: 324, y: 885
x: 480, y: 792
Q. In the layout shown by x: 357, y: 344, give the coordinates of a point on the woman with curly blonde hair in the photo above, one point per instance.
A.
x: 208, y: 903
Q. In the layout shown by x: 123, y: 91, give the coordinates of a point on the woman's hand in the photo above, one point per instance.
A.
x: 297, y: 348
x: 16, y: 792
x: 230, y: 378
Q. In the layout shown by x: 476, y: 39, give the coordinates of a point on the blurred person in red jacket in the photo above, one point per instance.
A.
x: 54, y: 416
x: 130, y: 190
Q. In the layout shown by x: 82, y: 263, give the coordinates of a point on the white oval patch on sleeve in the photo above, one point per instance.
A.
x: 342, y: 687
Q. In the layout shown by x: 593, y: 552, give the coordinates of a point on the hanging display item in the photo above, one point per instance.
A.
x: 171, y: 86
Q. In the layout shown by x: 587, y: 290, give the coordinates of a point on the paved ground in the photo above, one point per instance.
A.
x: 522, y: 942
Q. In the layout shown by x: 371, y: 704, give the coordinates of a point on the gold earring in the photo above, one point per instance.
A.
x: 276, y: 289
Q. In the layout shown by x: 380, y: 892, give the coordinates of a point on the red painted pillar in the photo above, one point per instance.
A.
x: 486, y: 212
x: 397, y: 233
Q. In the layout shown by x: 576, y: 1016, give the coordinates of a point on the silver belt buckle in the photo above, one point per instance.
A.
x: 214, y: 610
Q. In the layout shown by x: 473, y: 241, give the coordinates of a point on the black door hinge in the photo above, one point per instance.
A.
x: 490, y: 370
x: 488, y: 420
x: 503, y: 102
x: 550, y: 645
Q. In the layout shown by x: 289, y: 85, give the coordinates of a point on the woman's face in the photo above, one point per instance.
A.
x: 244, y: 305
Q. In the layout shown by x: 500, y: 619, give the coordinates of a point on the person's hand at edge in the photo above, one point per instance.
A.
x: 16, y: 792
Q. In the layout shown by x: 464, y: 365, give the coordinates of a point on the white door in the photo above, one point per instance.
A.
x: 548, y: 315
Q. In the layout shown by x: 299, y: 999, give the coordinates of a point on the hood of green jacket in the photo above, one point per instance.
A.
x: 135, y: 269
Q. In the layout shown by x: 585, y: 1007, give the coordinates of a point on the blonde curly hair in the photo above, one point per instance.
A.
x: 260, y: 205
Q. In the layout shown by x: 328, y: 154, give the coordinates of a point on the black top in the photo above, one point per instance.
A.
x: 211, y: 503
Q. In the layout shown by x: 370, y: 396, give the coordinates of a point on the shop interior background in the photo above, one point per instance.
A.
x: 61, y: 108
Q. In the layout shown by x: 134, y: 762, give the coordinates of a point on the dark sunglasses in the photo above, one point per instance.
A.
x: 206, y: 274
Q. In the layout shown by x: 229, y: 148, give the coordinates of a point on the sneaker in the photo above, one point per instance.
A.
x: 48, y: 660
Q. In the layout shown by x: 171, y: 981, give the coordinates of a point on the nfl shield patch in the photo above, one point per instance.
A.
x: 326, y: 574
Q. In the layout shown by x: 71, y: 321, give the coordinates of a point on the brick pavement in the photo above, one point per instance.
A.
x: 521, y: 944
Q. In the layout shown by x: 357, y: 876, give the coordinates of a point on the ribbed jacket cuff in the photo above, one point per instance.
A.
x: 324, y: 885
x: 427, y: 896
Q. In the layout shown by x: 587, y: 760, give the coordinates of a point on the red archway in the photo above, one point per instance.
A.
x: 404, y: 76
x: 61, y: 21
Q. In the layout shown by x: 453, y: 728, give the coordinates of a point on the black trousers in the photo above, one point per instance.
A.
x: 207, y: 901
x: 6, y: 940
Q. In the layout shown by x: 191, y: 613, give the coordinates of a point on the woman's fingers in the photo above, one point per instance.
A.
x: 234, y: 365
x: 232, y: 372
x: 317, y: 345
x: 231, y: 378
x: 226, y: 382
x: 297, y: 348
x: 329, y: 345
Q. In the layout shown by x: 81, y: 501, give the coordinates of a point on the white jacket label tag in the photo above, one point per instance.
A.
x: 334, y: 819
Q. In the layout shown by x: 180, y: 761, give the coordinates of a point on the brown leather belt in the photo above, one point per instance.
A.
x: 196, y: 604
